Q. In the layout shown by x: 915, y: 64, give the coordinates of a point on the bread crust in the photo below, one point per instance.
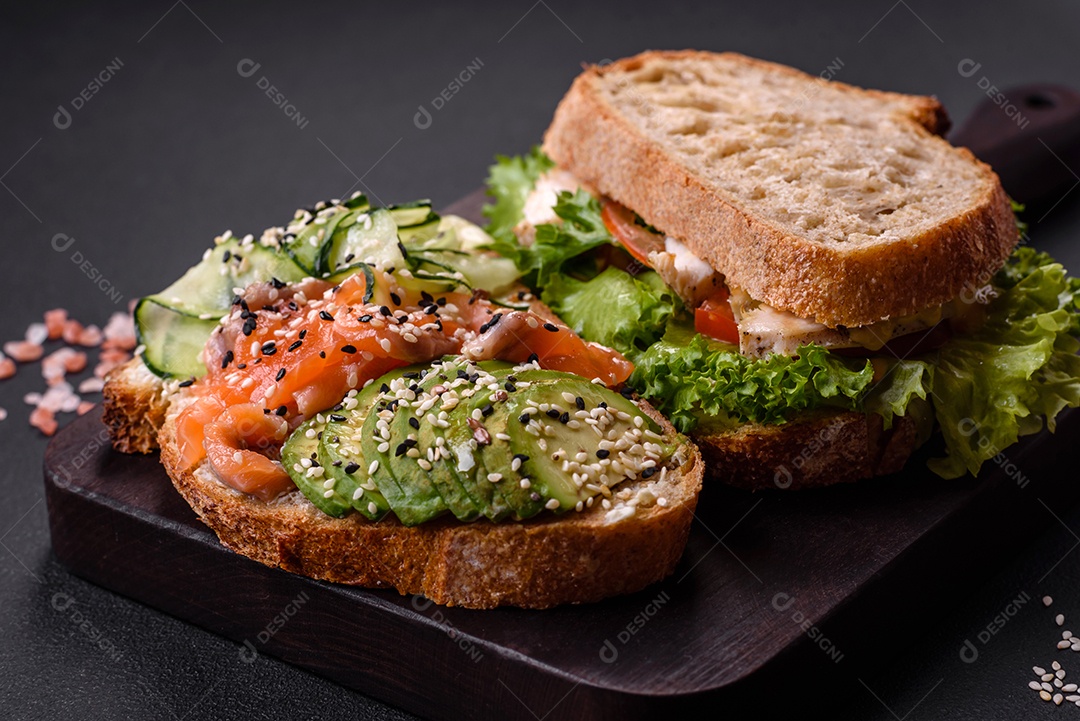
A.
x: 853, y: 287
x: 135, y: 402
x: 540, y: 563
x: 816, y: 449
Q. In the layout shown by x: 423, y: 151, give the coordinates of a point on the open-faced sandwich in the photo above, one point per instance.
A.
x: 366, y: 396
x: 808, y: 278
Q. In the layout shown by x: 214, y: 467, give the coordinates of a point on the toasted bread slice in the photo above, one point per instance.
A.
x: 839, y: 204
x: 135, y: 401
x: 539, y: 563
x: 815, y: 449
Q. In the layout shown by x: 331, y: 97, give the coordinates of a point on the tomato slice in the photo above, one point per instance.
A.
x: 638, y: 241
x: 715, y: 319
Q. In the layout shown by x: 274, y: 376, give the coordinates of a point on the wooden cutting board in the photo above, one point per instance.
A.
x: 802, y: 592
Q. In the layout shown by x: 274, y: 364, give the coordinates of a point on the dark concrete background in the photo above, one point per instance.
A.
x: 178, y: 145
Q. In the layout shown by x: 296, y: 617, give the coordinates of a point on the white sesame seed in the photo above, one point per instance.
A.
x: 383, y: 447
x: 503, y: 437
x: 328, y: 483
x: 373, y: 467
x: 552, y: 504
x: 1047, y: 686
x: 357, y: 493
x: 1057, y: 682
x: 372, y: 508
x: 1060, y: 619
x: 1056, y: 666
x: 1035, y: 686
x: 662, y: 502
x: 424, y: 464
x: 1060, y: 673
x: 1063, y: 644
x: 494, y: 477
x: 1047, y: 677
x: 385, y: 344
x: 328, y: 494
x: 1068, y: 688
x: 1044, y: 695
x: 238, y: 457
x: 1047, y: 600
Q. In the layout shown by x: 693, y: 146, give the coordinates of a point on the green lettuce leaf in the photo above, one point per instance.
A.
x: 703, y: 381
x: 1001, y: 382
x: 557, y: 244
x: 510, y: 180
x: 624, y: 312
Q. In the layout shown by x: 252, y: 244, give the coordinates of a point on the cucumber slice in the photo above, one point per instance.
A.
x: 459, y: 246
x: 171, y: 340
x: 208, y: 287
x: 370, y: 238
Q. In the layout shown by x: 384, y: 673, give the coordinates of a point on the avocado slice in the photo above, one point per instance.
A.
x: 299, y: 455
x: 408, y: 426
x: 548, y: 425
x: 413, y: 497
x: 341, y: 455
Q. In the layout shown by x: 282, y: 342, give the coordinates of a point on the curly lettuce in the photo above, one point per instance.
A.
x: 1017, y: 372
x: 704, y: 381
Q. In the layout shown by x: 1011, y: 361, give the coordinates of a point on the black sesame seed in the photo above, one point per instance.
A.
x: 384, y: 310
x: 325, y: 316
x: 626, y: 393
x: 337, y: 463
x: 524, y: 418
x: 365, y: 318
x: 395, y: 298
x: 236, y: 300
x: 564, y: 418
x: 441, y: 302
x: 552, y: 413
x: 350, y: 349
x: 533, y: 358
x: 487, y: 410
x: 521, y: 457
x: 266, y: 411
x: 462, y: 375
x: 277, y: 283
x: 295, y: 345
x: 402, y: 319
x: 601, y: 454
x: 649, y: 472
x: 426, y: 297
x: 349, y: 257
x: 322, y: 354
x: 303, y: 334
x: 409, y: 442
x: 384, y: 388
x: 411, y: 375
x: 353, y: 467
x: 551, y: 327
x: 337, y: 418
x: 401, y: 450
x: 414, y: 423
x: 282, y: 410
x: 280, y: 375
x: 188, y: 382
x: 269, y: 348
x: 510, y: 387
x: 431, y: 309
x: 249, y: 326
x: 242, y: 366
x: 580, y: 403
x: 225, y: 258
x: 227, y: 359
x: 603, y: 404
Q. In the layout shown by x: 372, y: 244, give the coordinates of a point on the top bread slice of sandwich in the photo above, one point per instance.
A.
x: 839, y: 205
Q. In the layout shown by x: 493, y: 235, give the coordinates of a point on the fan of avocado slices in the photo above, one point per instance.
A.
x: 983, y: 388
